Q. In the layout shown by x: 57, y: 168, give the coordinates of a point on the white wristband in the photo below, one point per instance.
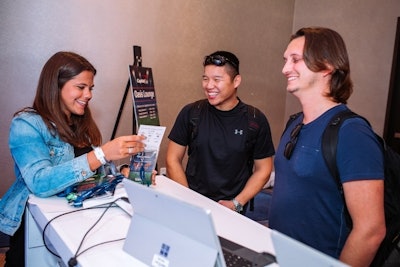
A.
x: 98, y: 152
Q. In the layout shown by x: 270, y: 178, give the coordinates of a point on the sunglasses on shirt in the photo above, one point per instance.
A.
x: 289, y: 147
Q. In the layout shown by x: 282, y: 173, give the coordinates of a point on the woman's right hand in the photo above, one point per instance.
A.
x: 123, y: 146
x: 118, y: 148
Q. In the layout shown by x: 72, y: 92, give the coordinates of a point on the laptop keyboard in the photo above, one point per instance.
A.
x: 232, y: 260
x: 236, y: 255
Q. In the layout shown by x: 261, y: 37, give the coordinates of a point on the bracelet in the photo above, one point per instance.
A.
x: 98, y: 152
x: 238, y: 206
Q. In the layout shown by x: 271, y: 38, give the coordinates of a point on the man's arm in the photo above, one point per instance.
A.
x: 175, y: 171
x: 260, y: 176
x: 364, y: 200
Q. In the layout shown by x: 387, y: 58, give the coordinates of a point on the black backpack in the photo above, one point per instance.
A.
x: 392, y: 183
x: 390, y: 244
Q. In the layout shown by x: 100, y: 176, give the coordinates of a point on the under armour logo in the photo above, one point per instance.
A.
x: 238, y: 131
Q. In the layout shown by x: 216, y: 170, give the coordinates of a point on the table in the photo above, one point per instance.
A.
x: 65, y: 233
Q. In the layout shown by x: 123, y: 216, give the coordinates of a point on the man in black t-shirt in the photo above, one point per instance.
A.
x: 230, y: 144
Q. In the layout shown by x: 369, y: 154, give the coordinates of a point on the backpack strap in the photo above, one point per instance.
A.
x: 253, y: 125
x: 195, y: 112
x: 329, y: 148
x: 253, y: 128
x: 330, y: 140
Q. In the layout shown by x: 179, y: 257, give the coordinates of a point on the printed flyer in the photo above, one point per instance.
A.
x: 143, y: 164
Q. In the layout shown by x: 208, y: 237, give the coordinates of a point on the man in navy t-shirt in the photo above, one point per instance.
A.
x: 306, y: 203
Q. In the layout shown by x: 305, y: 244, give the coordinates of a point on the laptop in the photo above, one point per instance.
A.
x: 166, y: 231
x: 292, y: 253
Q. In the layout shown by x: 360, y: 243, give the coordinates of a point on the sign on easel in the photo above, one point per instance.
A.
x: 146, y: 120
x: 144, y: 96
x: 141, y: 81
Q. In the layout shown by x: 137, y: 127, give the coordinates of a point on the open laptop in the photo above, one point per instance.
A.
x: 166, y: 231
x: 292, y: 253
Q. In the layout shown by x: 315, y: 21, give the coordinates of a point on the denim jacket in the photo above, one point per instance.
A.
x: 44, y: 165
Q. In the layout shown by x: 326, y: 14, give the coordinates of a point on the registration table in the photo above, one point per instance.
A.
x: 64, y: 234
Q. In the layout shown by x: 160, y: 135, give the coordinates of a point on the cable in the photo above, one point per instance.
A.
x: 91, y: 228
x: 73, y: 260
x: 48, y: 223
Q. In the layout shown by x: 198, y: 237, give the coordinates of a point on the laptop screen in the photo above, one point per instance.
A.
x: 292, y: 253
x: 166, y: 231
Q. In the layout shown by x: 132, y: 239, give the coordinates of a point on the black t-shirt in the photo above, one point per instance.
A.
x: 219, y: 164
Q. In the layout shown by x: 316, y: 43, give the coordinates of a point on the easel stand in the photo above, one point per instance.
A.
x: 137, y: 54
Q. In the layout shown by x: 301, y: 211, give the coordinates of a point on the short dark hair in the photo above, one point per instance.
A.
x: 223, y: 58
x: 325, y: 47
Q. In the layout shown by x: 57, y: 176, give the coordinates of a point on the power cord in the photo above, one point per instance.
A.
x: 73, y: 260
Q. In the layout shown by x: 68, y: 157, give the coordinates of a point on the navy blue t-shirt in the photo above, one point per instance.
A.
x: 306, y: 203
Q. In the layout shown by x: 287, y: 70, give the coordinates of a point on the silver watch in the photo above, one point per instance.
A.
x: 238, y: 206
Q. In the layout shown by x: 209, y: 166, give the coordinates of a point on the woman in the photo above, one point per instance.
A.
x: 56, y: 143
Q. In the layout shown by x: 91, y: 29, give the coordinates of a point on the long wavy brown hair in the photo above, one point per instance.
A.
x: 79, y: 130
x: 325, y: 47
